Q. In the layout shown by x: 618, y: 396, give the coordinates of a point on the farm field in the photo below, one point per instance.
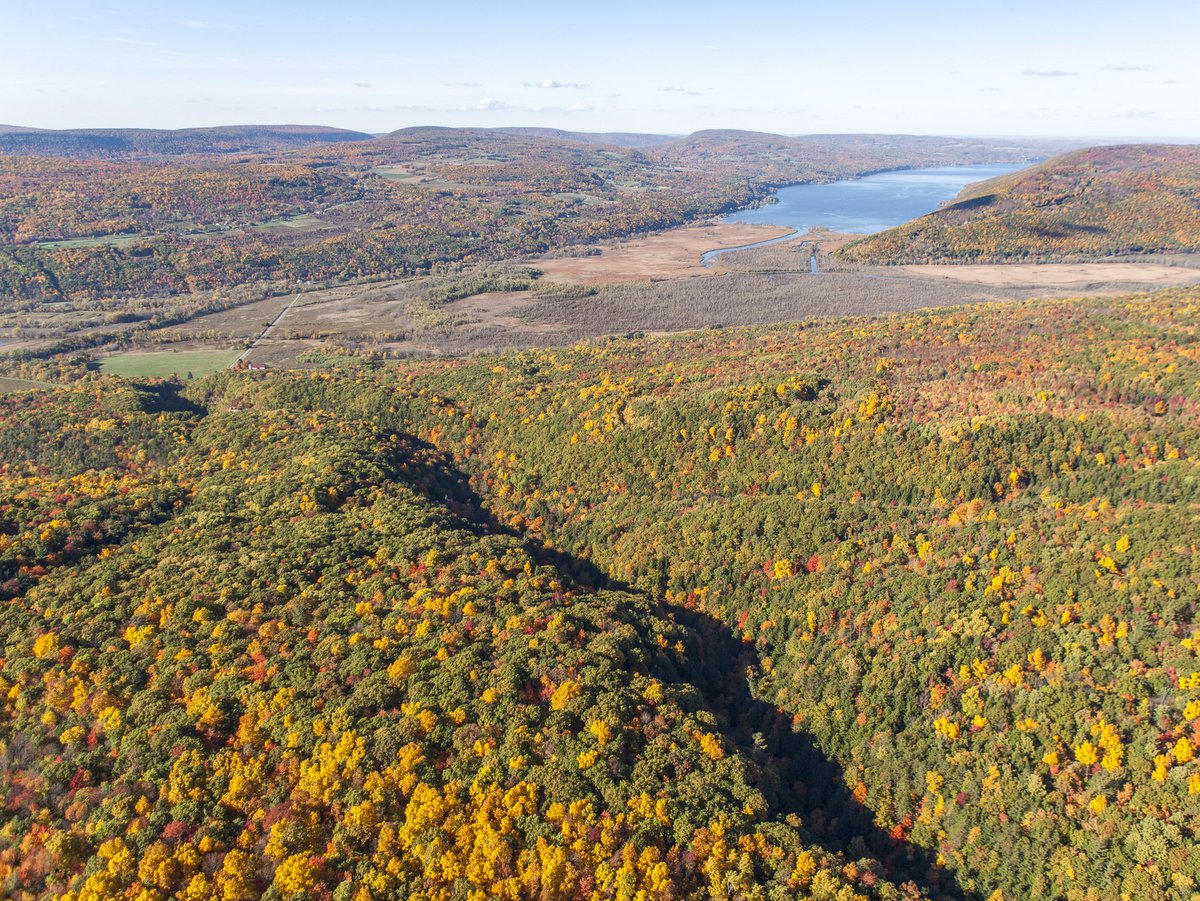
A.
x: 9, y: 385
x: 103, y: 241
x: 143, y: 364
x: 237, y: 323
x: 1062, y: 275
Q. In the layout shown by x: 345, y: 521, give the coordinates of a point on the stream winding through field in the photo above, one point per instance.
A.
x: 706, y: 259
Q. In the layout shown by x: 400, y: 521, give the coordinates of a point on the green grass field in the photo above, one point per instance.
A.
x: 293, y: 222
x: 141, y: 364
x: 101, y: 241
x: 8, y: 385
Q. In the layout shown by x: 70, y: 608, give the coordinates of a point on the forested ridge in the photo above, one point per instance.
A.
x: 1130, y: 199
x: 882, y: 608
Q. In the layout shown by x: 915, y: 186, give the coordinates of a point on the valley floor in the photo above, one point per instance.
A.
x: 1091, y: 277
x: 652, y: 284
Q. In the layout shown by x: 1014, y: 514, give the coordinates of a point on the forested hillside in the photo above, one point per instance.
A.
x: 282, y: 650
x: 166, y: 222
x: 1140, y: 198
x: 847, y: 608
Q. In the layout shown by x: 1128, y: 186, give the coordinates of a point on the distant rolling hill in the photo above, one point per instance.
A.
x: 1129, y: 199
x: 617, y: 138
x: 775, y: 159
x: 803, y: 156
x: 785, y: 159
x: 527, y: 135
x: 120, y: 142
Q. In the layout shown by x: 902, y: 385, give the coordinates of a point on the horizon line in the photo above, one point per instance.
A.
x: 1154, y: 138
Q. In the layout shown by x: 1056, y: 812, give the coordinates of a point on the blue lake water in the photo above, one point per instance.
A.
x: 866, y: 205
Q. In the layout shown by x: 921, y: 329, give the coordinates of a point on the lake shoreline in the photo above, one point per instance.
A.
x: 867, y: 204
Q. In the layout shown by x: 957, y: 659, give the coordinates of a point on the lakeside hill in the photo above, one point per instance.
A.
x: 127, y: 142
x: 807, y: 611
x: 1130, y: 199
x: 410, y: 202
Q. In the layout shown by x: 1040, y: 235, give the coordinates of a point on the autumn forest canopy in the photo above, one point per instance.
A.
x: 511, y: 578
x: 881, y: 608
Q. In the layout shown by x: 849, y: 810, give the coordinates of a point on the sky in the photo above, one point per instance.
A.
x: 1009, y: 67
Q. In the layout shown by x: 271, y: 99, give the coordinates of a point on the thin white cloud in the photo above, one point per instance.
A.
x: 349, y: 109
x: 361, y: 84
x: 207, y: 25
x: 675, y: 89
x: 491, y: 105
x: 552, y: 84
x: 1120, y: 68
x: 1049, y: 73
x: 397, y: 108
